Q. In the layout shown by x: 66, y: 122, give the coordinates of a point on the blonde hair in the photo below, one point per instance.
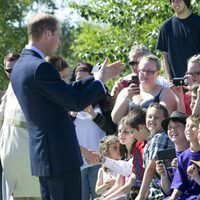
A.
x: 106, y: 142
x: 153, y: 58
x: 195, y: 59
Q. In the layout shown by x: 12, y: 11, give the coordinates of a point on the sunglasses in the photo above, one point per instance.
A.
x: 133, y: 63
x: 8, y: 70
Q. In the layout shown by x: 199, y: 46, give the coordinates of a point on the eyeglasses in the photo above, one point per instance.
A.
x: 194, y: 74
x: 148, y: 72
x: 175, y: 127
x: 8, y: 70
x: 133, y: 62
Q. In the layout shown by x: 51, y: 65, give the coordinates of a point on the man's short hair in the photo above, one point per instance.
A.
x: 39, y: 23
x: 11, y: 57
x: 139, y: 48
x: 136, y: 117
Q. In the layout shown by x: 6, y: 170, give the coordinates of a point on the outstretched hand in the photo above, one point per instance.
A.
x: 107, y: 72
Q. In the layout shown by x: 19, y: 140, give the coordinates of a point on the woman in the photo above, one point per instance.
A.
x: 148, y: 91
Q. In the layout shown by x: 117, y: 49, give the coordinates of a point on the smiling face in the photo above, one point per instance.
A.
x: 191, y: 130
x: 176, y: 131
x: 154, y: 118
x: 179, y: 7
x: 125, y: 136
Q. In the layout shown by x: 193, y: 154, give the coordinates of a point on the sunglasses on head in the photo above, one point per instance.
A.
x: 8, y: 70
x: 133, y: 63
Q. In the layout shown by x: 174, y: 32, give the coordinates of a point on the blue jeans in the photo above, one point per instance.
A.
x: 89, y: 179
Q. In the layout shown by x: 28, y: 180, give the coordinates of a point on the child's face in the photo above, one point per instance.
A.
x: 141, y: 134
x: 191, y: 130
x: 114, y: 152
x: 124, y: 135
x: 154, y: 118
x: 176, y: 131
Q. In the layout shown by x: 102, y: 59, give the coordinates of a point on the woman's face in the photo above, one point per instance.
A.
x: 147, y: 72
x: 193, y: 69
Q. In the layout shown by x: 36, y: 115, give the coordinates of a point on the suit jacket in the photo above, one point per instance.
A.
x: 45, y: 100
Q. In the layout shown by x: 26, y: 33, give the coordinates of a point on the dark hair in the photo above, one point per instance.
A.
x: 159, y: 107
x: 58, y: 62
x: 83, y: 65
x: 187, y: 2
x: 11, y: 57
x: 39, y: 23
x: 123, y: 149
x: 136, y: 117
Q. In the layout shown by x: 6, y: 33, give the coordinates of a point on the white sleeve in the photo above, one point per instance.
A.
x: 121, y: 167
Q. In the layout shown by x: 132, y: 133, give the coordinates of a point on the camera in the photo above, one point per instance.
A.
x: 134, y: 79
x: 166, y: 156
x: 179, y: 81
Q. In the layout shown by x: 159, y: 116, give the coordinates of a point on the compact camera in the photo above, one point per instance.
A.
x: 179, y: 81
x: 134, y: 79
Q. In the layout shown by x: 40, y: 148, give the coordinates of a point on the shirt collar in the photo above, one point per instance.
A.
x: 30, y: 47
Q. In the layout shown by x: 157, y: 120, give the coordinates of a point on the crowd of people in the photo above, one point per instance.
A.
x: 139, y: 141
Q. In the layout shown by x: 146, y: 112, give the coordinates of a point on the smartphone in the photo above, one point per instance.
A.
x: 134, y: 79
x: 178, y: 81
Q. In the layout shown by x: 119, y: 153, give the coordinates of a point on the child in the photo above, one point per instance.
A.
x: 123, y: 184
x: 157, y: 140
x: 175, y: 127
x: 109, y: 146
x: 184, y: 185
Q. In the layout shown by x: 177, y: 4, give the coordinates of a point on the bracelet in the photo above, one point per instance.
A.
x: 129, y: 99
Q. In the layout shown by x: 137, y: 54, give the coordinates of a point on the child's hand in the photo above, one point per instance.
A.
x: 192, y: 170
x: 110, y: 182
x: 160, y: 168
x: 174, y: 163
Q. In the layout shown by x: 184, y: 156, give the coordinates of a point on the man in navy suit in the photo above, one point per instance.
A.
x: 45, y: 100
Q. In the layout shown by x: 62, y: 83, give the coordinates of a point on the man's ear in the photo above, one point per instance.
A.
x: 47, y: 33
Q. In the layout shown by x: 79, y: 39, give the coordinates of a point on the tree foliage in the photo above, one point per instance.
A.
x: 111, y: 27
x: 13, y: 35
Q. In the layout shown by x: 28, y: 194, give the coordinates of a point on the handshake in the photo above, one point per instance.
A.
x: 92, y: 157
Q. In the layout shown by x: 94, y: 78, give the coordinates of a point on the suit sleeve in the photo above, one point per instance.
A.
x: 74, y: 97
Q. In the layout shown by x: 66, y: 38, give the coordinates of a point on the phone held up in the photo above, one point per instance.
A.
x: 134, y: 79
x: 179, y: 81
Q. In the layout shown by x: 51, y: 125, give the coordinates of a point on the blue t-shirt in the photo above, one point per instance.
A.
x: 180, y: 38
x: 181, y: 180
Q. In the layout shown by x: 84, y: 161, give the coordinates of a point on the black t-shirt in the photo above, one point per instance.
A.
x: 180, y: 38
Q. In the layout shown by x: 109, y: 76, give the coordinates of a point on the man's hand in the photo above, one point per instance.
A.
x: 107, y: 72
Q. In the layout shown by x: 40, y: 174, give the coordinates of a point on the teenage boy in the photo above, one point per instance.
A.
x: 179, y: 38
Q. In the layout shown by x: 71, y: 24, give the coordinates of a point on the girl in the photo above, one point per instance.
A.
x: 109, y: 146
x: 122, y: 185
